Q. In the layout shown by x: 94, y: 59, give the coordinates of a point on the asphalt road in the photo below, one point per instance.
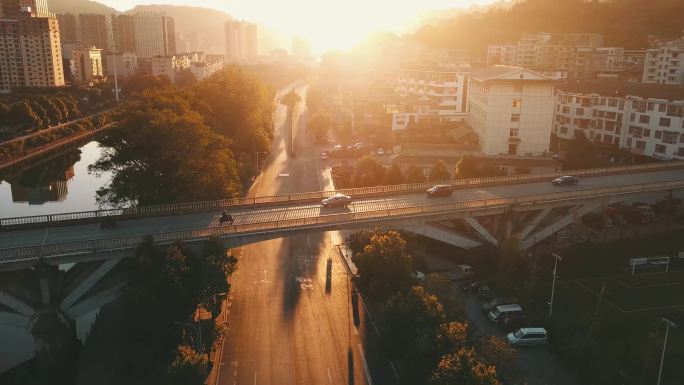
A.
x: 285, y: 327
x: 301, y: 174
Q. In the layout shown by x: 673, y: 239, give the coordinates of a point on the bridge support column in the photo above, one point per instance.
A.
x: 575, y: 213
x: 533, y: 224
x: 481, y: 231
x: 444, y: 234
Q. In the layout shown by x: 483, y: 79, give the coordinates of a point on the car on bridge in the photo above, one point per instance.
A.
x: 337, y: 200
x: 565, y: 180
x: 440, y: 190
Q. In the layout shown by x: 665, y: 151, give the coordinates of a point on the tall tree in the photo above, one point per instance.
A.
x: 414, y: 175
x: 439, y: 172
x: 467, y: 167
x: 368, y: 172
x: 394, y: 175
x: 464, y: 368
x: 319, y: 125
x: 581, y: 154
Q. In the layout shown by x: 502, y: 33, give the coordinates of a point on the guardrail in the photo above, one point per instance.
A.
x: 217, y: 205
x: 325, y: 221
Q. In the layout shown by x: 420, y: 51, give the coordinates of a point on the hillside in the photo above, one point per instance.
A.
x: 625, y: 23
x: 80, y: 6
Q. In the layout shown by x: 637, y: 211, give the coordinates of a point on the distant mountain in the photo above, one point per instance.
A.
x: 80, y: 6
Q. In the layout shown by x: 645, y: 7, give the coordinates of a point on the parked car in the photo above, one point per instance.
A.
x: 337, y: 200
x: 499, y: 314
x: 461, y: 272
x: 380, y: 151
x: 566, y: 180
x: 485, y: 292
x: 494, y: 302
x: 527, y: 337
x: 440, y: 190
x: 473, y: 286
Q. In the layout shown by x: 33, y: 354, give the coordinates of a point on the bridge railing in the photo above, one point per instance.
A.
x: 326, y: 221
x: 358, y: 193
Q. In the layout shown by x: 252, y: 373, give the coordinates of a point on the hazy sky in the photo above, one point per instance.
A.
x: 333, y: 23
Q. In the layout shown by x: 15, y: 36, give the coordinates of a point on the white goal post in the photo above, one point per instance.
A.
x: 644, y: 262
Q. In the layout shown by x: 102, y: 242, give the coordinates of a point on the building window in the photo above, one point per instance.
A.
x: 640, y: 144
x: 647, y: 132
x: 660, y: 148
x: 513, y: 132
x: 629, y: 142
x: 515, y: 118
x: 658, y: 134
x: 580, y: 111
x: 670, y: 137
x: 644, y: 119
x: 516, y: 103
x: 662, y: 107
x: 564, y: 130
x: 664, y: 122
x: 631, y: 117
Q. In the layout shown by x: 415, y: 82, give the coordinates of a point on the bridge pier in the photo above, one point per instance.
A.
x: 41, y: 308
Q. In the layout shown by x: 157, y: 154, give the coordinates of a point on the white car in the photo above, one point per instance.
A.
x: 527, y: 337
x: 337, y: 200
x: 380, y: 151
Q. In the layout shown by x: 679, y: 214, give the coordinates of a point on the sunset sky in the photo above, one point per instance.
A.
x: 326, y: 23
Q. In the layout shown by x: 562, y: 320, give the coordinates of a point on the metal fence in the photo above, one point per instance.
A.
x: 324, y: 221
x: 357, y: 193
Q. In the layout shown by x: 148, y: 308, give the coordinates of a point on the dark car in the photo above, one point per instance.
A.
x: 566, y: 180
x: 473, y: 286
x: 337, y: 200
x: 440, y: 190
x: 485, y: 292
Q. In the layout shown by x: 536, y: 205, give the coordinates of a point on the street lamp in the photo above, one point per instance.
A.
x: 662, y: 356
x: 553, y: 285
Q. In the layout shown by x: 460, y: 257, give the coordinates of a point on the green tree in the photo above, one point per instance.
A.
x: 21, y: 114
x: 161, y: 152
x: 411, y: 325
x: 414, y: 175
x: 189, y: 367
x: 497, y: 352
x: 384, y: 266
x: 439, y: 172
x: 185, y: 78
x: 464, y: 368
x: 141, y: 81
x: 467, y: 167
x: 4, y: 114
x: 581, y: 154
x: 509, y: 257
x: 291, y: 99
x: 319, y: 125
x: 394, y: 175
x: 316, y: 99
x: 442, y: 287
x: 343, y: 130
x: 41, y: 113
x: 367, y: 172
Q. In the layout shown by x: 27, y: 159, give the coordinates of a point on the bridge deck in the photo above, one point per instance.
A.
x: 256, y: 215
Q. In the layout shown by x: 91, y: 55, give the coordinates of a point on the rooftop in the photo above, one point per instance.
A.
x: 507, y: 73
x: 613, y: 88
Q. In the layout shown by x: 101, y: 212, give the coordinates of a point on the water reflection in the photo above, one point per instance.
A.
x: 54, y: 185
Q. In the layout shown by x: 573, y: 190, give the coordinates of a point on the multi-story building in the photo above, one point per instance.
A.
x: 527, y: 52
x: 155, y: 35
x: 12, y: 8
x: 587, y: 40
x: 68, y: 27
x: 31, y: 54
x: 645, y: 119
x: 197, y: 63
x: 241, y: 41
x: 123, y: 30
x: 665, y: 63
x: 511, y: 110
x: 504, y: 54
x: 94, y: 30
x: 88, y: 64
x: 432, y: 93
x: 126, y: 64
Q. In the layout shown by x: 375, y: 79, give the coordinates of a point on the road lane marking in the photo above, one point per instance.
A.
x: 365, y: 365
x: 329, y: 377
x: 255, y: 378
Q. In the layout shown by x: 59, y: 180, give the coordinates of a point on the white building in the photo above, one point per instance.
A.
x: 434, y: 93
x: 527, y: 52
x: 198, y: 63
x: 642, y: 118
x: 87, y: 64
x: 511, y: 110
x: 126, y: 64
x: 505, y: 54
x: 154, y: 35
x: 241, y: 41
x: 665, y: 63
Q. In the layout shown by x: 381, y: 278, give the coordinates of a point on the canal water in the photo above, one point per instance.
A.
x: 57, y: 185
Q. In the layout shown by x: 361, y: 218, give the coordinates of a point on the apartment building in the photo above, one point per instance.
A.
x: 511, y: 110
x: 241, y: 41
x: 68, y: 27
x: 646, y: 119
x: 197, y: 63
x: 431, y: 93
x: 155, y: 35
x: 13, y: 8
x: 126, y: 64
x: 88, y: 64
x: 664, y: 64
x: 123, y: 30
x: 504, y: 54
x: 527, y: 54
x: 94, y: 30
x: 31, y: 54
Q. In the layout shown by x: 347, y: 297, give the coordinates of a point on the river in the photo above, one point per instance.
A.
x: 58, y: 185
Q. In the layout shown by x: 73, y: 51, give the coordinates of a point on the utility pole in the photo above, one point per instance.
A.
x: 662, y: 356
x: 553, y: 285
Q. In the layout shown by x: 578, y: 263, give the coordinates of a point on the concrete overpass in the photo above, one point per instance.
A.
x: 36, y: 291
